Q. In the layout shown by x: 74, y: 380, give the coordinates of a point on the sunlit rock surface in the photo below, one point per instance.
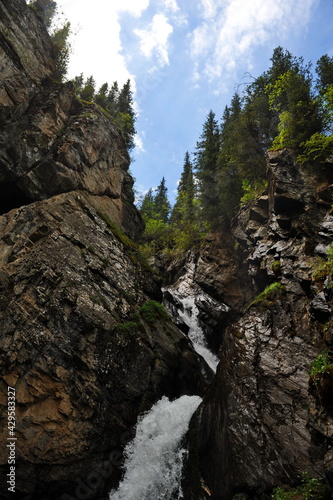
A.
x: 263, y: 422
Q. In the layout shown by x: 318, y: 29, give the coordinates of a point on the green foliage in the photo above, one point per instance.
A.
x: 325, y: 268
x: 251, y: 191
x: 270, y: 291
x: 116, y: 103
x: 278, y: 109
x: 152, y: 311
x: 276, y: 266
x: 317, y: 149
x: 184, y: 209
x: 206, y: 155
x: 311, y: 489
x: 324, y: 70
x: 266, y: 298
x: 161, y: 203
x: 46, y: 10
x: 299, y: 118
x: 321, y: 364
x: 119, y: 234
x: 130, y: 328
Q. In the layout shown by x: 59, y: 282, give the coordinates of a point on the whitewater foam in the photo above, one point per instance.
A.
x: 154, y: 459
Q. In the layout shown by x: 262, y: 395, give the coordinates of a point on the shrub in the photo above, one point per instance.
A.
x: 311, y: 489
x: 319, y: 365
x: 152, y: 311
x: 129, y: 328
x: 325, y: 268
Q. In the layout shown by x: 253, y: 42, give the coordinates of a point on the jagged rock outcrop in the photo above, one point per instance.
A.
x: 82, y: 361
x: 81, y: 341
x: 263, y: 422
x: 51, y: 142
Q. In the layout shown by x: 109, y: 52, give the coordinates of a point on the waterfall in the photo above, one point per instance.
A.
x: 185, y: 295
x: 154, y: 458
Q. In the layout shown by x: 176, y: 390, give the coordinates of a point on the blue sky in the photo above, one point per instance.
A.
x: 185, y: 58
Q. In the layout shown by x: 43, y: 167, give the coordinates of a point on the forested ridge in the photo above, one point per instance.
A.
x: 116, y: 103
x: 288, y: 106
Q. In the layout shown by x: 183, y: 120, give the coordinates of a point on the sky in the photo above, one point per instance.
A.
x: 185, y: 58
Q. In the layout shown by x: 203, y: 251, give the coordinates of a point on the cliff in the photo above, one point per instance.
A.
x: 263, y: 421
x: 83, y: 343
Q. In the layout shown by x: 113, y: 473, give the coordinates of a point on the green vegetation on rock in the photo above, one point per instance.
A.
x: 152, y: 311
x: 320, y: 365
x: 311, y: 489
x: 267, y: 297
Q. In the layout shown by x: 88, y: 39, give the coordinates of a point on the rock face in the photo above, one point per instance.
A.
x: 263, y: 422
x: 82, y: 340
x: 52, y: 143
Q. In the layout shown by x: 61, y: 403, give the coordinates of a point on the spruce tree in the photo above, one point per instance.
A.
x: 147, y: 206
x: 88, y: 91
x: 183, y: 209
x: 125, y: 115
x: 207, y: 151
x: 101, y: 96
x: 161, y: 203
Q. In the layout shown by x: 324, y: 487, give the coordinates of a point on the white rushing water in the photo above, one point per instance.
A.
x: 184, y: 293
x: 154, y: 458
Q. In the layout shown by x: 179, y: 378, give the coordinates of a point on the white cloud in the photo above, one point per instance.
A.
x: 209, y: 8
x: 230, y: 30
x: 135, y: 7
x: 138, y: 141
x: 171, y: 5
x: 97, y: 45
x: 154, y: 41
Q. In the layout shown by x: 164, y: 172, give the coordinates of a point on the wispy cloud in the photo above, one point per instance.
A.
x: 154, y: 40
x: 171, y: 5
x: 230, y: 30
x: 138, y: 141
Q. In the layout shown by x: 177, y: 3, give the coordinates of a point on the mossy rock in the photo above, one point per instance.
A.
x: 266, y: 299
x: 232, y: 330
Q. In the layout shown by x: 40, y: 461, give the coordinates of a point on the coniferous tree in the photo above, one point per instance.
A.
x: 62, y: 49
x: 207, y: 151
x: 147, y: 206
x: 112, y: 99
x: 78, y: 82
x: 161, y: 202
x: 101, y: 96
x: 184, y: 208
x: 125, y: 115
x: 46, y: 9
x: 88, y: 91
x: 324, y: 70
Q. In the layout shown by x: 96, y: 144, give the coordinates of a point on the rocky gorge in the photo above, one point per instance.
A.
x: 85, y: 343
